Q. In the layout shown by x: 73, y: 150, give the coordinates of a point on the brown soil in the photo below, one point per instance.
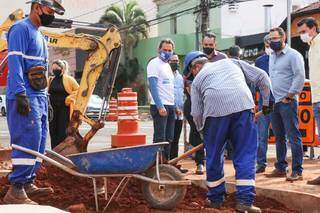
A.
x: 76, y: 195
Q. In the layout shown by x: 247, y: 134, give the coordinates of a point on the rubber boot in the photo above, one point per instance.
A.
x: 17, y: 195
x: 33, y: 190
x: 248, y: 209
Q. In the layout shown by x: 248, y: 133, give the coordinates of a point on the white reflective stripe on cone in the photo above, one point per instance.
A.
x: 127, y: 107
x: 127, y: 98
x: 215, y: 183
x: 128, y: 117
x: 23, y: 161
x: 245, y: 182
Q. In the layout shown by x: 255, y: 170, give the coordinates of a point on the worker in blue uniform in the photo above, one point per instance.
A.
x: 27, y: 103
x: 222, y: 107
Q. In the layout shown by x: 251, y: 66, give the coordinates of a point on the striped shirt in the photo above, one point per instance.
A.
x: 220, y: 89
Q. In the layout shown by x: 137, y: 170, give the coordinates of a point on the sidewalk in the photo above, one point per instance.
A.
x: 297, y: 195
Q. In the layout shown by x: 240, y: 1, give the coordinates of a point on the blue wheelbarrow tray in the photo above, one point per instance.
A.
x: 133, y: 160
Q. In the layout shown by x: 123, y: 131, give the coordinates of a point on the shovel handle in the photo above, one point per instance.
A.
x: 200, y: 146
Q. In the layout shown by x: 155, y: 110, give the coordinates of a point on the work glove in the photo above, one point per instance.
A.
x: 267, y: 109
x: 22, y: 104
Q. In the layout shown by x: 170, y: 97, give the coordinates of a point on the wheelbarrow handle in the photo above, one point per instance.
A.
x: 200, y: 146
x: 48, y: 159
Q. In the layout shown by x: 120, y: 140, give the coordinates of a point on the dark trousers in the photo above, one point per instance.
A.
x: 58, y: 125
x: 194, y: 136
x: 175, y: 143
x: 163, y: 126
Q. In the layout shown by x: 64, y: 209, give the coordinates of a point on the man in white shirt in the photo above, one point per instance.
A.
x: 309, y: 33
x: 161, y: 87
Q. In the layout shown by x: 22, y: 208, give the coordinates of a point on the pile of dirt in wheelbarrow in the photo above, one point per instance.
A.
x: 71, y: 190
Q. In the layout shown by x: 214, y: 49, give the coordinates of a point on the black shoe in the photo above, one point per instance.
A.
x: 260, y: 169
x: 248, y: 209
x: 214, y: 205
x: 294, y: 177
x: 277, y: 173
x: 200, y: 169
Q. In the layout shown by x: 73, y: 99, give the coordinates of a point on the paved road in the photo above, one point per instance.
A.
x: 103, y: 138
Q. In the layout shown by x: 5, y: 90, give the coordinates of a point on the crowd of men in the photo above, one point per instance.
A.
x: 218, y: 93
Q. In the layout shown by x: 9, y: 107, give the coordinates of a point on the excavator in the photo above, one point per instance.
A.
x: 103, y: 55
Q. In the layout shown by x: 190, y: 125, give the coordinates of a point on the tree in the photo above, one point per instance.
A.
x: 132, y: 22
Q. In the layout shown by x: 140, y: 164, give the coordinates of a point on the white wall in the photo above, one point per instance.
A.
x: 249, y: 18
x: 78, y: 7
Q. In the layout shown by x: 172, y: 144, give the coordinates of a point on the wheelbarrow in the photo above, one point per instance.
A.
x: 163, y: 188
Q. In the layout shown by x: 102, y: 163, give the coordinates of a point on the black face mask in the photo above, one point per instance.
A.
x: 57, y: 72
x: 208, y: 50
x: 46, y: 19
x: 174, y: 66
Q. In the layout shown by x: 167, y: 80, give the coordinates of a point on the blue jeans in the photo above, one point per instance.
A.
x: 316, y: 113
x: 284, y: 121
x: 163, y: 126
x: 263, y: 134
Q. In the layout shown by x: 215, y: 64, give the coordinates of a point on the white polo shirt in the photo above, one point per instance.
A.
x: 162, y: 71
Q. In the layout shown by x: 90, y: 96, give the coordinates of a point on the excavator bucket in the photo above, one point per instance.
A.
x: 74, y: 142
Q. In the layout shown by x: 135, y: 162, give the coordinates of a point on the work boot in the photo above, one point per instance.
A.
x: 32, y: 190
x: 200, y: 169
x: 294, y: 177
x: 314, y: 181
x: 277, y: 173
x: 248, y: 209
x: 214, y: 205
x: 17, y: 195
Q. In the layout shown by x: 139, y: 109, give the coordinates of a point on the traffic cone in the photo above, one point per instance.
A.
x: 113, y: 110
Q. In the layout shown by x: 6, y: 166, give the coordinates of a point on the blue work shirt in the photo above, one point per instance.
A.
x: 287, y: 73
x: 178, y: 90
x: 27, y: 48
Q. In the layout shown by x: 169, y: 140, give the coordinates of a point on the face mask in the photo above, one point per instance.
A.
x: 268, y: 50
x: 174, y: 66
x: 46, y: 19
x: 276, y: 45
x: 305, y: 37
x: 57, y: 72
x: 165, y: 56
x: 208, y: 50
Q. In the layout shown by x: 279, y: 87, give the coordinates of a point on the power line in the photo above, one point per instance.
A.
x: 98, y: 9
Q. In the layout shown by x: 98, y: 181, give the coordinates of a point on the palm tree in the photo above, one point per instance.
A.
x: 132, y: 22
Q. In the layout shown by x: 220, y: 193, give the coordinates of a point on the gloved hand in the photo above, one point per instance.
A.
x: 22, y: 104
x: 267, y: 109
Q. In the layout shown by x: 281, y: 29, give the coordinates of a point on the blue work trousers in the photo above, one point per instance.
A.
x: 263, y: 135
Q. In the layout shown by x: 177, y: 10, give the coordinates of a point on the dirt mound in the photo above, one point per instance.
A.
x: 76, y: 194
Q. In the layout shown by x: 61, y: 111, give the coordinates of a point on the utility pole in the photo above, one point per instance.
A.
x: 204, y: 5
x: 289, y: 9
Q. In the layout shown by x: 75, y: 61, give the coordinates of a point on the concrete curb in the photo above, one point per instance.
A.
x: 302, y: 202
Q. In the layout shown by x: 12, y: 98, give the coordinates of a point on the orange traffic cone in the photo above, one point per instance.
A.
x: 128, y: 124
x: 113, y: 110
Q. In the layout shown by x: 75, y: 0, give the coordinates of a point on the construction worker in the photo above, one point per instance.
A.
x: 62, y: 89
x: 222, y: 106
x: 263, y: 121
x: 287, y: 74
x: 309, y: 33
x: 209, y: 48
x: 161, y: 87
x: 27, y: 102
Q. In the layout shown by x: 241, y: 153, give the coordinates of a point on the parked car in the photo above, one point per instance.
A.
x: 3, y: 105
x: 94, y: 106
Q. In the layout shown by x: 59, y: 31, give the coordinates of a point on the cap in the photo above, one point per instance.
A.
x: 55, y: 5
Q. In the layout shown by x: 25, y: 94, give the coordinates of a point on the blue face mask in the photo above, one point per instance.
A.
x: 276, y: 45
x: 165, y: 56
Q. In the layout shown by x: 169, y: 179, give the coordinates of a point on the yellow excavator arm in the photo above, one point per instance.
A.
x: 103, y: 54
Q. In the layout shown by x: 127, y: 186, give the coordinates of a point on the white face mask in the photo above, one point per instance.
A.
x: 305, y: 37
x: 268, y: 50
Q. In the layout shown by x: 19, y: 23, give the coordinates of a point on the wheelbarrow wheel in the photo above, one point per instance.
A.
x: 164, y: 196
